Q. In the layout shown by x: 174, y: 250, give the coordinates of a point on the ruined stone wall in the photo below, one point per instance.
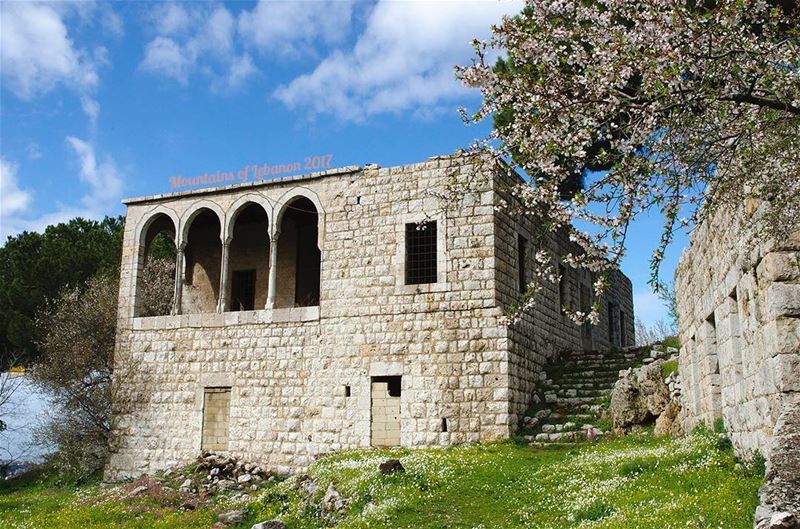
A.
x: 545, y: 331
x: 739, y: 308
x: 288, y: 368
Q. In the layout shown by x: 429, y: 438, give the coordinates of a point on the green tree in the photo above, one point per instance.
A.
x: 34, y: 267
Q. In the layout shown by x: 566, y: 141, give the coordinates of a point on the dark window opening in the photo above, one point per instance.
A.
x: 522, y: 251
x: 393, y: 382
x: 562, y: 287
x: 306, y: 290
x: 613, y: 336
x: 623, y: 342
x: 243, y: 290
x: 347, y: 391
x: 444, y: 424
x: 298, y: 258
x: 421, y: 253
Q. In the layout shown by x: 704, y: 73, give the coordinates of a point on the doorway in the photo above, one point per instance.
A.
x: 385, y: 411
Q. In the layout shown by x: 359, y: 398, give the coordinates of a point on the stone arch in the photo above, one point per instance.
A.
x: 281, y: 205
x: 154, y: 286
x: 201, y: 238
x: 298, y: 255
x: 246, y: 285
x: 195, y: 209
x: 240, y: 204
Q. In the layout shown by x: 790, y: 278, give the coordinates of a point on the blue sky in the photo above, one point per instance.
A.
x: 101, y: 101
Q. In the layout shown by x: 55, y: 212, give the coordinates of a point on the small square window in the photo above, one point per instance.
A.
x: 421, y: 253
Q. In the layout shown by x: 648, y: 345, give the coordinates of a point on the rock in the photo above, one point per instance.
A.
x: 391, y: 466
x: 244, y: 478
x: 666, y: 423
x: 187, y: 506
x: 627, y: 407
x: 188, y: 486
x: 306, y: 485
x: 224, y: 484
x: 231, y: 517
x: 783, y: 520
x: 780, y: 494
x: 270, y: 524
x: 332, y: 501
x: 138, y: 491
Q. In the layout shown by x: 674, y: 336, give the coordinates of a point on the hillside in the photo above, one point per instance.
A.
x: 637, y: 481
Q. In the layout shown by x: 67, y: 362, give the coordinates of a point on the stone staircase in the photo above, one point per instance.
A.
x: 573, y: 395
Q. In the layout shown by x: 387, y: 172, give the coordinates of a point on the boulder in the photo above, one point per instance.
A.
x: 138, y: 491
x: 641, y: 395
x: 780, y: 494
x: 231, y: 517
x: 391, y: 466
x: 270, y: 524
x: 188, y: 486
x: 333, y: 501
x: 666, y: 423
x: 627, y: 407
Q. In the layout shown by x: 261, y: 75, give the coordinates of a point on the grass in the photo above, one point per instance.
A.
x: 633, y: 482
x: 669, y: 367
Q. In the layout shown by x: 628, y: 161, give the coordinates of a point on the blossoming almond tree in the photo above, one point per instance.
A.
x: 686, y: 106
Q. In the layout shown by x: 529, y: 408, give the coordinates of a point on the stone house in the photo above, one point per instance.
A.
x: 343, y: 309
x: 739, y: 318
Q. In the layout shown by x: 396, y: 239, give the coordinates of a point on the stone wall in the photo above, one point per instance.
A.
x: 301, y: 377
x: 545, y: 331
x: 739, y: 308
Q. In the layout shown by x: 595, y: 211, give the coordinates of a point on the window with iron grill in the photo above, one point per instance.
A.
x: 420, y: 253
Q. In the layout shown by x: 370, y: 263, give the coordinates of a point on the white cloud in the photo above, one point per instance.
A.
x: 293, y: 28
x: 13, y: 199
x: 36, y: 53
x: 403, y: 61
x: 241, y: 69
x: 195, y: 39
x: 104, y: 179
x: 166, y: 57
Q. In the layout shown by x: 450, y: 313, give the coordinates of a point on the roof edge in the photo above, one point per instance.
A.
x: 243, y: 185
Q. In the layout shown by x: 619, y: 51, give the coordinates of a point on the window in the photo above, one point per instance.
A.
x: 522, y: 251
x: 623, y: 342
x: 562, y: 287
x: 420, y: 253
x: 612, y: 325
x: 243, y: 290
x: 216, y: 418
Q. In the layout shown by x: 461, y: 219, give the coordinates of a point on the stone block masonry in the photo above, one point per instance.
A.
x: 333, y: 317
x: 739, y: 308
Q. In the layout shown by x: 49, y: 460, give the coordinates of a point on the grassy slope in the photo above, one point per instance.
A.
x: 633, y: 482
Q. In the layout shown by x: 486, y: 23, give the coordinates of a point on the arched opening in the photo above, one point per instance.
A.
x: 203, y: 259
x: 249, y: 259
x: 155, y: 280
x: 298, y: 256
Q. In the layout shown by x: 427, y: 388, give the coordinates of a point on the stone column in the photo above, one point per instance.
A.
x: 180, y: 273
x: 273, y: 270
x: 222, y: 305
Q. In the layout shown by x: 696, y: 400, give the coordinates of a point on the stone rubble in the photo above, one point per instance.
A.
x: 643, y: 395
